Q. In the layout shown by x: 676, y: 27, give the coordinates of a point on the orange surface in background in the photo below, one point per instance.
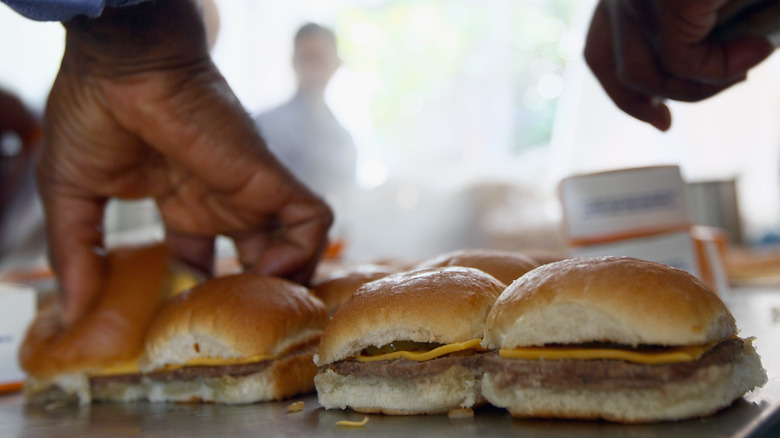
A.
x: 26, y: 276
x: 701, y: 237
x: 627, y: 235
x: 11, y: 387
x: 334, y: 250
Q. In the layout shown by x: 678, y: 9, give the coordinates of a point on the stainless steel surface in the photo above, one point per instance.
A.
x: 272, y: 419
x: 757, y: 312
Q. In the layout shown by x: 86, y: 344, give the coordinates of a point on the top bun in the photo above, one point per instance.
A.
x: 607, y: 299
x: 112, y: 332
x: 442, y: 305
x: 336, y: 288
x: 234, y: 317
x: 506, y: 266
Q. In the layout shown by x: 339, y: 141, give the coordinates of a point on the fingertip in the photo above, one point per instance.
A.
x: 648, y: 109
x: 195, y: 251
x: 659, y: 116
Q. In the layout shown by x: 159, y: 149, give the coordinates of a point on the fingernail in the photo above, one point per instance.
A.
x: 657, y: 101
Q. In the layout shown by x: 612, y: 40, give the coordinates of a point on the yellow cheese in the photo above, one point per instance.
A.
x: 345, y: 423
x: 130, y: 367
x: 420, y: 356
x: 666, y: 355
x: 181, y: 280
x: 216, y: 362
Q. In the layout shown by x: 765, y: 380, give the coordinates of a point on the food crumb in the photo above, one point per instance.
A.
x: 296, y: 406
x: 344, y: 423
x: 457, y: 414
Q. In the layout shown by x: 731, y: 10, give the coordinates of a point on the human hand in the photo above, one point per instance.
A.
x: 644, y: 51
x: 139, y: 110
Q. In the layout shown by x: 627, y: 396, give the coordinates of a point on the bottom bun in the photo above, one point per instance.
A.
x: 118, y: 392
x: 720, y: 386
x: 283, y: 378
x: 454, y: 388
x: 67, y: 388
x: 76, y: 389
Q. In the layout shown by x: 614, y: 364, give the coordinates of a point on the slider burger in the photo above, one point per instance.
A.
x: 336, y: 287
x: 505, y: 266
x: 237, y: 339
x: 95, y: 359
x: 615, y: 338
x: 408, y: 343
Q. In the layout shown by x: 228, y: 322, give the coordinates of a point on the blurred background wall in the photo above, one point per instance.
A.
x: 465, y: 115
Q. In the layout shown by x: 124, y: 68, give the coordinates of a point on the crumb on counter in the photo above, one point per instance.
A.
x: 296, y: 406
x: 457, y: 414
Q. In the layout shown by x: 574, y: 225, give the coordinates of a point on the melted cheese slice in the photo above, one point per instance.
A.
x: 181, y: 280
x: 420, y: 356
x: 130, y: 367
x: 666, y: 355
x: 216, y: 362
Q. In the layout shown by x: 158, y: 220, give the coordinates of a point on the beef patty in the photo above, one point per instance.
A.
x: 189, y: 373
x: 563, y: 373
x: 404, y: 368
x: 603, y: 374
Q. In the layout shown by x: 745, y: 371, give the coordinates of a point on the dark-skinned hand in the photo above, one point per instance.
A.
x: 646, y: 51
x: 139, y: 110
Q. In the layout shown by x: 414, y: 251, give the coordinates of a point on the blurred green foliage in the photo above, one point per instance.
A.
x: 414, y: 51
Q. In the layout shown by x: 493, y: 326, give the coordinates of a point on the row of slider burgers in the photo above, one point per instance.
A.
x: 235, y: 339
x: 612, y: 338
x: 615, y: 338
x: 222, y: 342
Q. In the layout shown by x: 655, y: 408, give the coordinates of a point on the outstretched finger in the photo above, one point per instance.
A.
x: 601, y: 58
x: 74, y: 224
x: 195, y: 251
x: 294, y: 247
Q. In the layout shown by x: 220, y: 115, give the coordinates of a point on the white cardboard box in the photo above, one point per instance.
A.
x: 605, y: 206
x: 673, y: 249
x: 17, y: 310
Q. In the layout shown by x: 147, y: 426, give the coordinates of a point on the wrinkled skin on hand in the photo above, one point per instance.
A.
x: 645, y: 51
x: 139, y: 110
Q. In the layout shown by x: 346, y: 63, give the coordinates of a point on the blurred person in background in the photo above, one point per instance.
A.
x: 139, y: 110
x: 303, y: 132
x: 21, y: 222
x: 645, y: 51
